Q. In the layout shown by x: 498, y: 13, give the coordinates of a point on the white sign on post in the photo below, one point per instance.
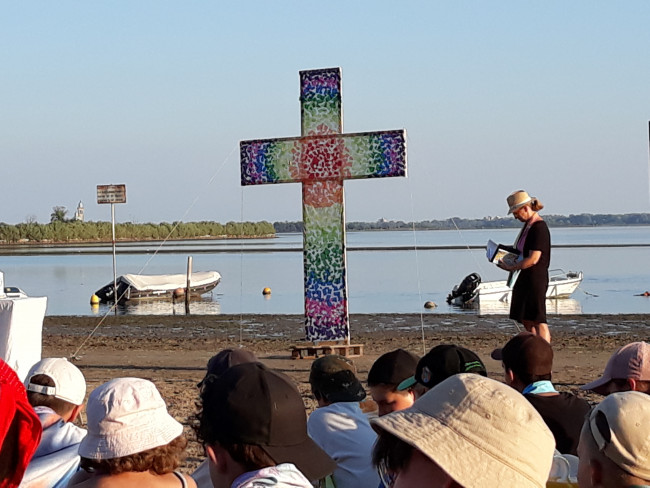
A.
x: 111, y: 194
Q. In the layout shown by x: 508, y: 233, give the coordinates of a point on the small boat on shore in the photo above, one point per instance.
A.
x: 132, y: 287
x: 472, y: 291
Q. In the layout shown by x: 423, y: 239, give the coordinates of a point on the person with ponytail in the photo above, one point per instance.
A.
x: 528, y: 303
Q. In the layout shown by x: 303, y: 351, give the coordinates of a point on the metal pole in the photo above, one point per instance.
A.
x: 114, y: 265
x: 187, y: 289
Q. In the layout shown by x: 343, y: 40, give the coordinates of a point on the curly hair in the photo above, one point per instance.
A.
x: 160, y: 460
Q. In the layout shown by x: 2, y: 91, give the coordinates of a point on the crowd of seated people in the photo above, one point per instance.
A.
x: 440, y: 422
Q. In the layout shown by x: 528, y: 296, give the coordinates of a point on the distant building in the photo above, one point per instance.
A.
x: 79, y: 214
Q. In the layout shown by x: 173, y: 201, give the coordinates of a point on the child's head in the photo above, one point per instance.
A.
x: 333, y: 379
x: 258, y: 417
x: 58, y: 384
x: 130, y: 429
x: 386, y: 374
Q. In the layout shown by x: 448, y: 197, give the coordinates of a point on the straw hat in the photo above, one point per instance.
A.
x: 518, y: 199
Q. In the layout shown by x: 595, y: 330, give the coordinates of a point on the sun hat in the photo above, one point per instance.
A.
x: 517, y: 200
x: 479, y: 431
x: 619, y: 425
x: 441, y: 362
x: 20, y: 427
x: 220, y: 362
x: 630, y: 361
x: 392, y: 368
x: 335, y: 377
x: 258, y: 406
x: 69, y: 381
x: 126, y: 416
x: 526, y: 354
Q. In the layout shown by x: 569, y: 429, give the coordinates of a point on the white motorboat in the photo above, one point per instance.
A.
x: 472, y: 291
x: 131, y: 287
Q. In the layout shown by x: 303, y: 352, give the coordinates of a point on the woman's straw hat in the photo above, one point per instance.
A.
x: 517, y: 200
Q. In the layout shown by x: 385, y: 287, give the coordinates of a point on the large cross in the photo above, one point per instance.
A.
x: 321, y: 159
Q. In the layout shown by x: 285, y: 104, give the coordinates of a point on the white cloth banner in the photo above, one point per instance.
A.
x: 21, y: 332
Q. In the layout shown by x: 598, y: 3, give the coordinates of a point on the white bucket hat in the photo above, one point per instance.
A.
x: 126, y: 416
x: 478, y: 430
x: 69, y: 382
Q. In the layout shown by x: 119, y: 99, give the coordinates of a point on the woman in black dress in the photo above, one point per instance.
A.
x: 528, y: 304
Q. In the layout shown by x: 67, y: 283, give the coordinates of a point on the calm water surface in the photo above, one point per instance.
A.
x: 395, y: 281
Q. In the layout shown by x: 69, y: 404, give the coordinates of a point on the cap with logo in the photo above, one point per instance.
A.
x: 441, y: 362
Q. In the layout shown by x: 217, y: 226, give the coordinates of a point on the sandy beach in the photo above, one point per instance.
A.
x: 172, y: 351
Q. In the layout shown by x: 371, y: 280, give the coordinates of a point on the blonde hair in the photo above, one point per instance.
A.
x: 536, y: 205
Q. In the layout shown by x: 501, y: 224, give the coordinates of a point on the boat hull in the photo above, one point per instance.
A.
x: 560, y: 285
x: 170, y: 287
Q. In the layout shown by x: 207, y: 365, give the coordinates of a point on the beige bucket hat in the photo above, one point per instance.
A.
x: 478, y: 430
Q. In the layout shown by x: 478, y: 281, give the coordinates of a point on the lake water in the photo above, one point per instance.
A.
x: 616, y: 266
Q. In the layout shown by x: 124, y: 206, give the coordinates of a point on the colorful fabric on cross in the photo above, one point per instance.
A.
x: 348, y: 156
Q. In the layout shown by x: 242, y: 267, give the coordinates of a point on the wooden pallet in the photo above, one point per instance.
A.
x: 313, y: 351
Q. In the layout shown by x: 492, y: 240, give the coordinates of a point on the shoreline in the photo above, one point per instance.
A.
x: 172, y: 351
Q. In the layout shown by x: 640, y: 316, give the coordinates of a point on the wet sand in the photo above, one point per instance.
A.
x: 172, y: 351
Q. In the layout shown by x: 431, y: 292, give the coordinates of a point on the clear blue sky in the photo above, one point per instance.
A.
x: 552, y: 97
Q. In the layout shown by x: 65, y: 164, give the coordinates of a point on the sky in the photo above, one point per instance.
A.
x: 552, y: 97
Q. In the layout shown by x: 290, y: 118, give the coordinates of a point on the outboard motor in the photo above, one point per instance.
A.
x: 466, y: 288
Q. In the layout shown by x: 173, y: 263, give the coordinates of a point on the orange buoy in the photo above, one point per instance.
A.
x: 266, y: 291
x: 179, y: 292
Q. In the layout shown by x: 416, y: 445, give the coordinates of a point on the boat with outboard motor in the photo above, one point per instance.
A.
x: 134, y: 287
x: 472, y: 291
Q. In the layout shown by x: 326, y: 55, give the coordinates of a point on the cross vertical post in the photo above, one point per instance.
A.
x: 321, y: 159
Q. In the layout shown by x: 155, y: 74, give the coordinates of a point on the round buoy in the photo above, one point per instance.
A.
x: 266, y: 291
x: 94, y: 300
x: 429, y: 304
x: 179, y: 292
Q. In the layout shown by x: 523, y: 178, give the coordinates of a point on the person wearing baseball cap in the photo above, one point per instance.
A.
x: 441, y: 362
x: 628, y: 369
x: 614, y: 450
x: 528, y: 362
x: 56, y: 389
x: 338, y: 425
x: 386, y: 373
x: 218, y: 365
x: 466, y: 432
x: 252, y: 423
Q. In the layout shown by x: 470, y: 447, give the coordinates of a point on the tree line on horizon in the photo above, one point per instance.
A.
x: 58, y: 231
x: 580, y: 220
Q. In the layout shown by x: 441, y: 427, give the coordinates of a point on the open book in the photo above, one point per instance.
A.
x: 499, y: 252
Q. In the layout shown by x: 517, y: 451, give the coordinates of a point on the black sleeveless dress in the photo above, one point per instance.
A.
x: 529, y: 293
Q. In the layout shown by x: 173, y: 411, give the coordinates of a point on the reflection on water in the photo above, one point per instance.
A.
x: 204, y: 306
x: 554, y: 306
